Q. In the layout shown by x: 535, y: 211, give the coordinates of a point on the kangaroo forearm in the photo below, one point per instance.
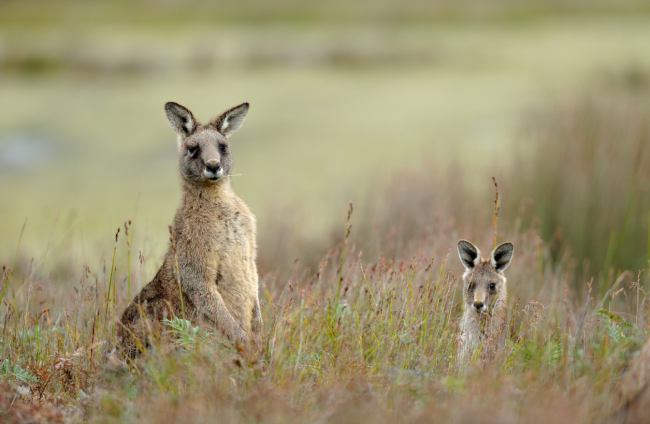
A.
x: 222, y: 318
x: 211, y: 307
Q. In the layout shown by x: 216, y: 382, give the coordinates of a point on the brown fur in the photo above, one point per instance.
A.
x: 213, y: 248
x: 485, y: 296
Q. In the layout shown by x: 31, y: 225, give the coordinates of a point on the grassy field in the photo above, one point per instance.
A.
x: 357, y: 338
x: 410, y: 114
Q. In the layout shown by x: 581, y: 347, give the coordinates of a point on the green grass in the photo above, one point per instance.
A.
x: 586, y: 174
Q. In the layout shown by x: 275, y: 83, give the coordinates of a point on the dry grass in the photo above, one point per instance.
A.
x: 362, y: 336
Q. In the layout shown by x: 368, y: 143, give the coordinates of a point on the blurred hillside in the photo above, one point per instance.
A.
x: 205, y: 11
x: 345, y: 97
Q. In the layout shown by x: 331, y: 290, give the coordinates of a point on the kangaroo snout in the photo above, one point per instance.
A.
x: 212, y: 165
x: 213, y: 169
x: 479, y: 306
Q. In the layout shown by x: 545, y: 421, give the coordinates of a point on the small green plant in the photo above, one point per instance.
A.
x: 15, y: 371
x: 187, y: 335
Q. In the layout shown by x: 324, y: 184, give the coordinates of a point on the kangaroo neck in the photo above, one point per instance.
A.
x: 207, y: 194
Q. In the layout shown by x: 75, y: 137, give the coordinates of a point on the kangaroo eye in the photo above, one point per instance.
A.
x: 222, y: 147
x: 192, y: 150
x: 493, y: 286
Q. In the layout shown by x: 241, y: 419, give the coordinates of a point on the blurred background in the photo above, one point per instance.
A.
x: 406, y: 108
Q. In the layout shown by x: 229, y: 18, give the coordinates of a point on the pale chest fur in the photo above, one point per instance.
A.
x: 476, y: 329
x: 221, y: 235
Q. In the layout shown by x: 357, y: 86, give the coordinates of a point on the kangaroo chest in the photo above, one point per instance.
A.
x: 234, y: 257
x: 230, y: 245
x: 221, y: 235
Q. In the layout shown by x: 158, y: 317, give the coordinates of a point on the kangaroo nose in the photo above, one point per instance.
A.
x: 478, y: 305
x: 212, y: 166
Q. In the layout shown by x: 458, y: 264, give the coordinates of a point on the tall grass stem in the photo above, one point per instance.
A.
x: 11, y: 271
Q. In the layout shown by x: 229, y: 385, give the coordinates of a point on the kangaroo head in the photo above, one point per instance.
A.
x: 484, y: 286
x: 203, y: 152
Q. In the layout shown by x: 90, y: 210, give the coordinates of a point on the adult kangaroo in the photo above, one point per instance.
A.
x: 212, y: 253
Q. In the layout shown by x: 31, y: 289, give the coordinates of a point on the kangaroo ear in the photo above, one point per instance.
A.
x: 230, y: 121
x: 469, y: 254
x: 180, y: 118
x: 501, y: 256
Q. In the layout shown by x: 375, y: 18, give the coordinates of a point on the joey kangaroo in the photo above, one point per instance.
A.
x: 213, y: 250
x: 486, y: 295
